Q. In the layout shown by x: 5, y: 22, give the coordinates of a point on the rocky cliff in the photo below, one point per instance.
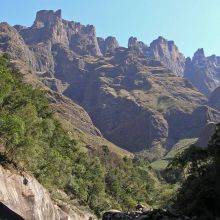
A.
x: 161, y: 50
x: 214, y: 100
x: 140, y: 47
x: 203, y: 72
x: 49, y: 26
x: 135, y: 89
x: 206, y: 135
x: 23, y: 195
x: 168, y: 53
x: 107, y: 45
x: 36, y: 63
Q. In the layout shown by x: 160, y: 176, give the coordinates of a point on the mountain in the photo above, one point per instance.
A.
x: 203, y: 72
x: 88, y: 118
x: 140, y: 47
x: 36, y: 69
x: 49, y: 25
x: 107, y: 45
x: 35, y: 144
x: 122, y: 89
x: 206, y: 135
x: 168, y: 53
x: 162, y: 50
x: 214, y: 100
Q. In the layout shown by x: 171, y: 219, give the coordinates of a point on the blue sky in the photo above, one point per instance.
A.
x: 191, y: 24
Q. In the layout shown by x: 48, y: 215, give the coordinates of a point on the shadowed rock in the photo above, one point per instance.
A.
x: 203, y: 72
x: 107, y: 45
x: 131, y: 94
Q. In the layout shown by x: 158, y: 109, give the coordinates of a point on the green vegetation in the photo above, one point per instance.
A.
x: 199, y: 191
x: 178, y: 148
x: 34, y: 141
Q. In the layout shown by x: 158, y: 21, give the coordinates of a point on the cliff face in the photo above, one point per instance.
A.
x: 128, y: 93
x: 49, y: 26
x: 38, y: 64
x: 206, y: 135
x: 138, y: 46
x: 168, y: 53
x: 26, y: 197
x: 203, y: 72
x: 107, y: 45
x: 214, y: 100
x: 13, y: 43
x: 132, y: 95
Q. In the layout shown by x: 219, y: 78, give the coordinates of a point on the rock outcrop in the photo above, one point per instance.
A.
x: 12, y: 43
x: 214, y: 99
x: 206, y: 135
x: 139, y: 46
x: 190, y: 125
x: 168, y: 53
x: 107, y: 45
x: 23, y: 195
x: 203, y: 72
x: 49, y: 26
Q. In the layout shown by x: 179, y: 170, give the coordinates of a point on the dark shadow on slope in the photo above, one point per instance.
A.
x: 8, y: 214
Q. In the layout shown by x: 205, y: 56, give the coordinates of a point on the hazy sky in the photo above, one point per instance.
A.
x: 191, y: 24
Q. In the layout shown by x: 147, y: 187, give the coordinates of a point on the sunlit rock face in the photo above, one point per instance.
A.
x: 49, y: 26
x: 140, y: 47
x: 23, y: 195
x: 168, y: 53
x: 108, y: 45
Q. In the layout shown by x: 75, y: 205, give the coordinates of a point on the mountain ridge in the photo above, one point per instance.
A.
x: 126, y: 88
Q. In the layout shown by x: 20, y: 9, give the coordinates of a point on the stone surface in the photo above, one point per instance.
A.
x: 190, y: 125
x: 206, y: 135
x: 203, y: 72
x: 26, y: 197
x: 12, y: 43
x: 49, y: 26
x: 214, y: 99
x: 107, y: 45
x: 168, y: 53
x: 139, y: 46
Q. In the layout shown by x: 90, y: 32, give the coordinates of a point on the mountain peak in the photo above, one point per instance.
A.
x: 47, y: 17
x: 107, y: 45
x: 48, y: 13
x: 199, y: 57
x: 160, y: 38
x: 168, y: 53
x: 200, y: 52
x: 139, y: 46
